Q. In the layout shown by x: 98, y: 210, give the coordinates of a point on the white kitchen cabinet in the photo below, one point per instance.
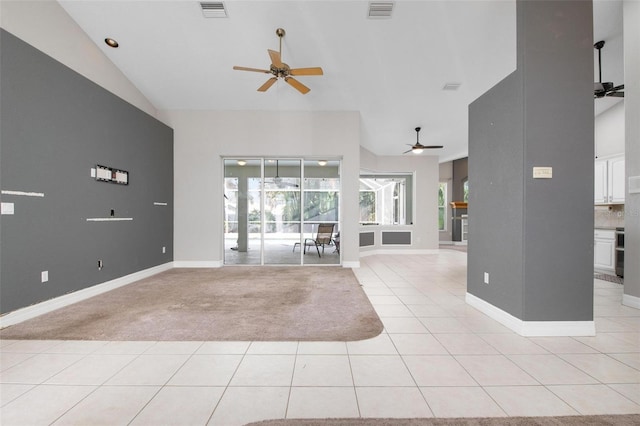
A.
x: 604, y: 249
x: 609, y: 180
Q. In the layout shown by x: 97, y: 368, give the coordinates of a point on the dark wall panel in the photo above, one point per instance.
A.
x: 396, y: 237
x: 367, y: 239
x: 56, y: 126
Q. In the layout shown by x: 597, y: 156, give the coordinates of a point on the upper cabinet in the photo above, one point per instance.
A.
x: 609, y: 180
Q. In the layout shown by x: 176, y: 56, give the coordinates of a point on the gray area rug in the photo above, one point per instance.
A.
x: 606, y: 277
x: 617, y: 420
x: 231, y: 303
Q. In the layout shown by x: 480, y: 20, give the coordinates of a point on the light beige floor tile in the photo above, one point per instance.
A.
x: 529, y: 401
x: 413, y: 299
x: 77, y: 347
x: 417, y: 344
x: 109, y: 405
x: 428, y: 311
x: 30, y: 346
x: 461, y: 402
x: 125, y: 347
x: 9, y: 359
x: 384, y: 311
x: 92, y: 370
x: 38, y: 368
x: 223, y: 348
x: 168, y: 406
x: 465, y: 344
x: 10, y: 391
x: 595, y: 399
x: 378, y: 291
x: 380, y: 370
x: 631, y: 359
x: 322, y: 370
x: 4, y: 343
x: 206, y: 370
x: 603, y: 368
x: 322, y: 402
x: 437, y: 325
x: 563, y: 345
x: 403, y: 325
x: 264, y: 370
x: 241, y: 405
x: 43, y: 404
x: 438, y: 370
x: 484, y: 324
x: 609, y: 343
x: 322, y: 348
x: 630, y: 390
x: 173, y: 348
x: 495, y: 370
x: 392, y: 402
x: 552, y: 370
x: 149, y: 370
x: 379, y: 345
x: 608, y: 325
x: 632, y: 337
x: 385, y: 300
x: 512, y: 344
x: 273, y: 348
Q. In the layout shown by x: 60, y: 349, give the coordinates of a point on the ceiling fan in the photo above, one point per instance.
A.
x: 418, y: 147
x: 281, y: 70
x: 277, y: 180
x: 600, y: 89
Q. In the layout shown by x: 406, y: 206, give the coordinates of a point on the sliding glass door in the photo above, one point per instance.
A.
x: 274, y: 209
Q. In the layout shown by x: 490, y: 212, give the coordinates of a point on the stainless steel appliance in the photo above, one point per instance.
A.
x: 620, y: 252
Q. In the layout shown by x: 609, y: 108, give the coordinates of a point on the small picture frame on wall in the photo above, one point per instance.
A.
x: 109, y: 174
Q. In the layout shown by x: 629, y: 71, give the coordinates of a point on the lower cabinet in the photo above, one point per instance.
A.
x: 604, y: 248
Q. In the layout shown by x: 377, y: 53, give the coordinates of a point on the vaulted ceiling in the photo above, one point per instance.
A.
x: 393, y: 71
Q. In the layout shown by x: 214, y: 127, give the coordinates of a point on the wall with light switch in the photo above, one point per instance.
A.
x: 62, y: 229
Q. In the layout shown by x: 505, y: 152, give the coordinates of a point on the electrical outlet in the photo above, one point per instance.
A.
x: 486, y: 278
x: 44, y: 276
x: 164, y: 249
x: 100, y: 265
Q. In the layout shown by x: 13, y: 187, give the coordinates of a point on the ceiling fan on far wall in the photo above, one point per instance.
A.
x: 418, y: 147
x: 281, y: 70
x: 600, y: 89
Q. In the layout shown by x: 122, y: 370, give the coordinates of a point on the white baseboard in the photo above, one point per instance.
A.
x: 350, y: 264
x: 399, y: 251
x: 47, y: 306
x: 631, y: 301
x: 532, y: 328
x: 197, y: 264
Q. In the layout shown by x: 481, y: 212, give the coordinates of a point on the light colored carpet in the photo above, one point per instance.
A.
x: 267, y: 303
x: 612, y: 420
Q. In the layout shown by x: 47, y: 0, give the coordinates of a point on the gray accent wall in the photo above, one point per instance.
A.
x: 56, y: 126
x: 534, y: 237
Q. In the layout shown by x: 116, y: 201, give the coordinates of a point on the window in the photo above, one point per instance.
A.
x: 385, y: 199
x: 465, y: 188
x: 442, y: 207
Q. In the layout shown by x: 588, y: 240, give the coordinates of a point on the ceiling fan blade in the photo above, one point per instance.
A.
x: 297, y: 85
x: 276, y: 59
x: 407, y: 151
x: 432, y: 146
x: 251, y: 69
x: 621, y: 87
x: 306, y: 71
x: 267, y: 84
x: 616, y: 94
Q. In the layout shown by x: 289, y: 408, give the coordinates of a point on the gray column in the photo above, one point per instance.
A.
x: 533, y: 237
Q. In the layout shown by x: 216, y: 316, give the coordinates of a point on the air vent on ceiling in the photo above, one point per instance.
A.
x: 213, y: 9
x: 451, y: 86
x: 380, y: 10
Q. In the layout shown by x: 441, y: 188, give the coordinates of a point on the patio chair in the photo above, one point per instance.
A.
x: 323, y: 237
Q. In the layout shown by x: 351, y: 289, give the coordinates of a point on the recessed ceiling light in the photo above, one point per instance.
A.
x: 241, y: 163
x: 322, y: 162
x: 111, y: 42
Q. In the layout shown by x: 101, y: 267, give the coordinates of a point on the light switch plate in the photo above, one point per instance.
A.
x: 44, y: 276
x: 7, y: 208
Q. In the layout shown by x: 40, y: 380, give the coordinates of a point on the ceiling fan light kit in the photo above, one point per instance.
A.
x: 607, y: 88
x: 418, y: 148
x: 281, y: 70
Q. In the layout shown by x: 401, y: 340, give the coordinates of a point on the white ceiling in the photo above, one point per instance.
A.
x: 390, y: 70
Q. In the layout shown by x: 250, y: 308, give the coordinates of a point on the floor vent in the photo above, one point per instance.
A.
x: 380, y: 10
x: 213, y: 9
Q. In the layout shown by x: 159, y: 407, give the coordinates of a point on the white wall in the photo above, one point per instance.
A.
x: 202, y: 138
x: 46, y: 26
x: 425, y: 217
x: 609, y: 131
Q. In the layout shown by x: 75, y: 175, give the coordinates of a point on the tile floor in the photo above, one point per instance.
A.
x: 436, y: 357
